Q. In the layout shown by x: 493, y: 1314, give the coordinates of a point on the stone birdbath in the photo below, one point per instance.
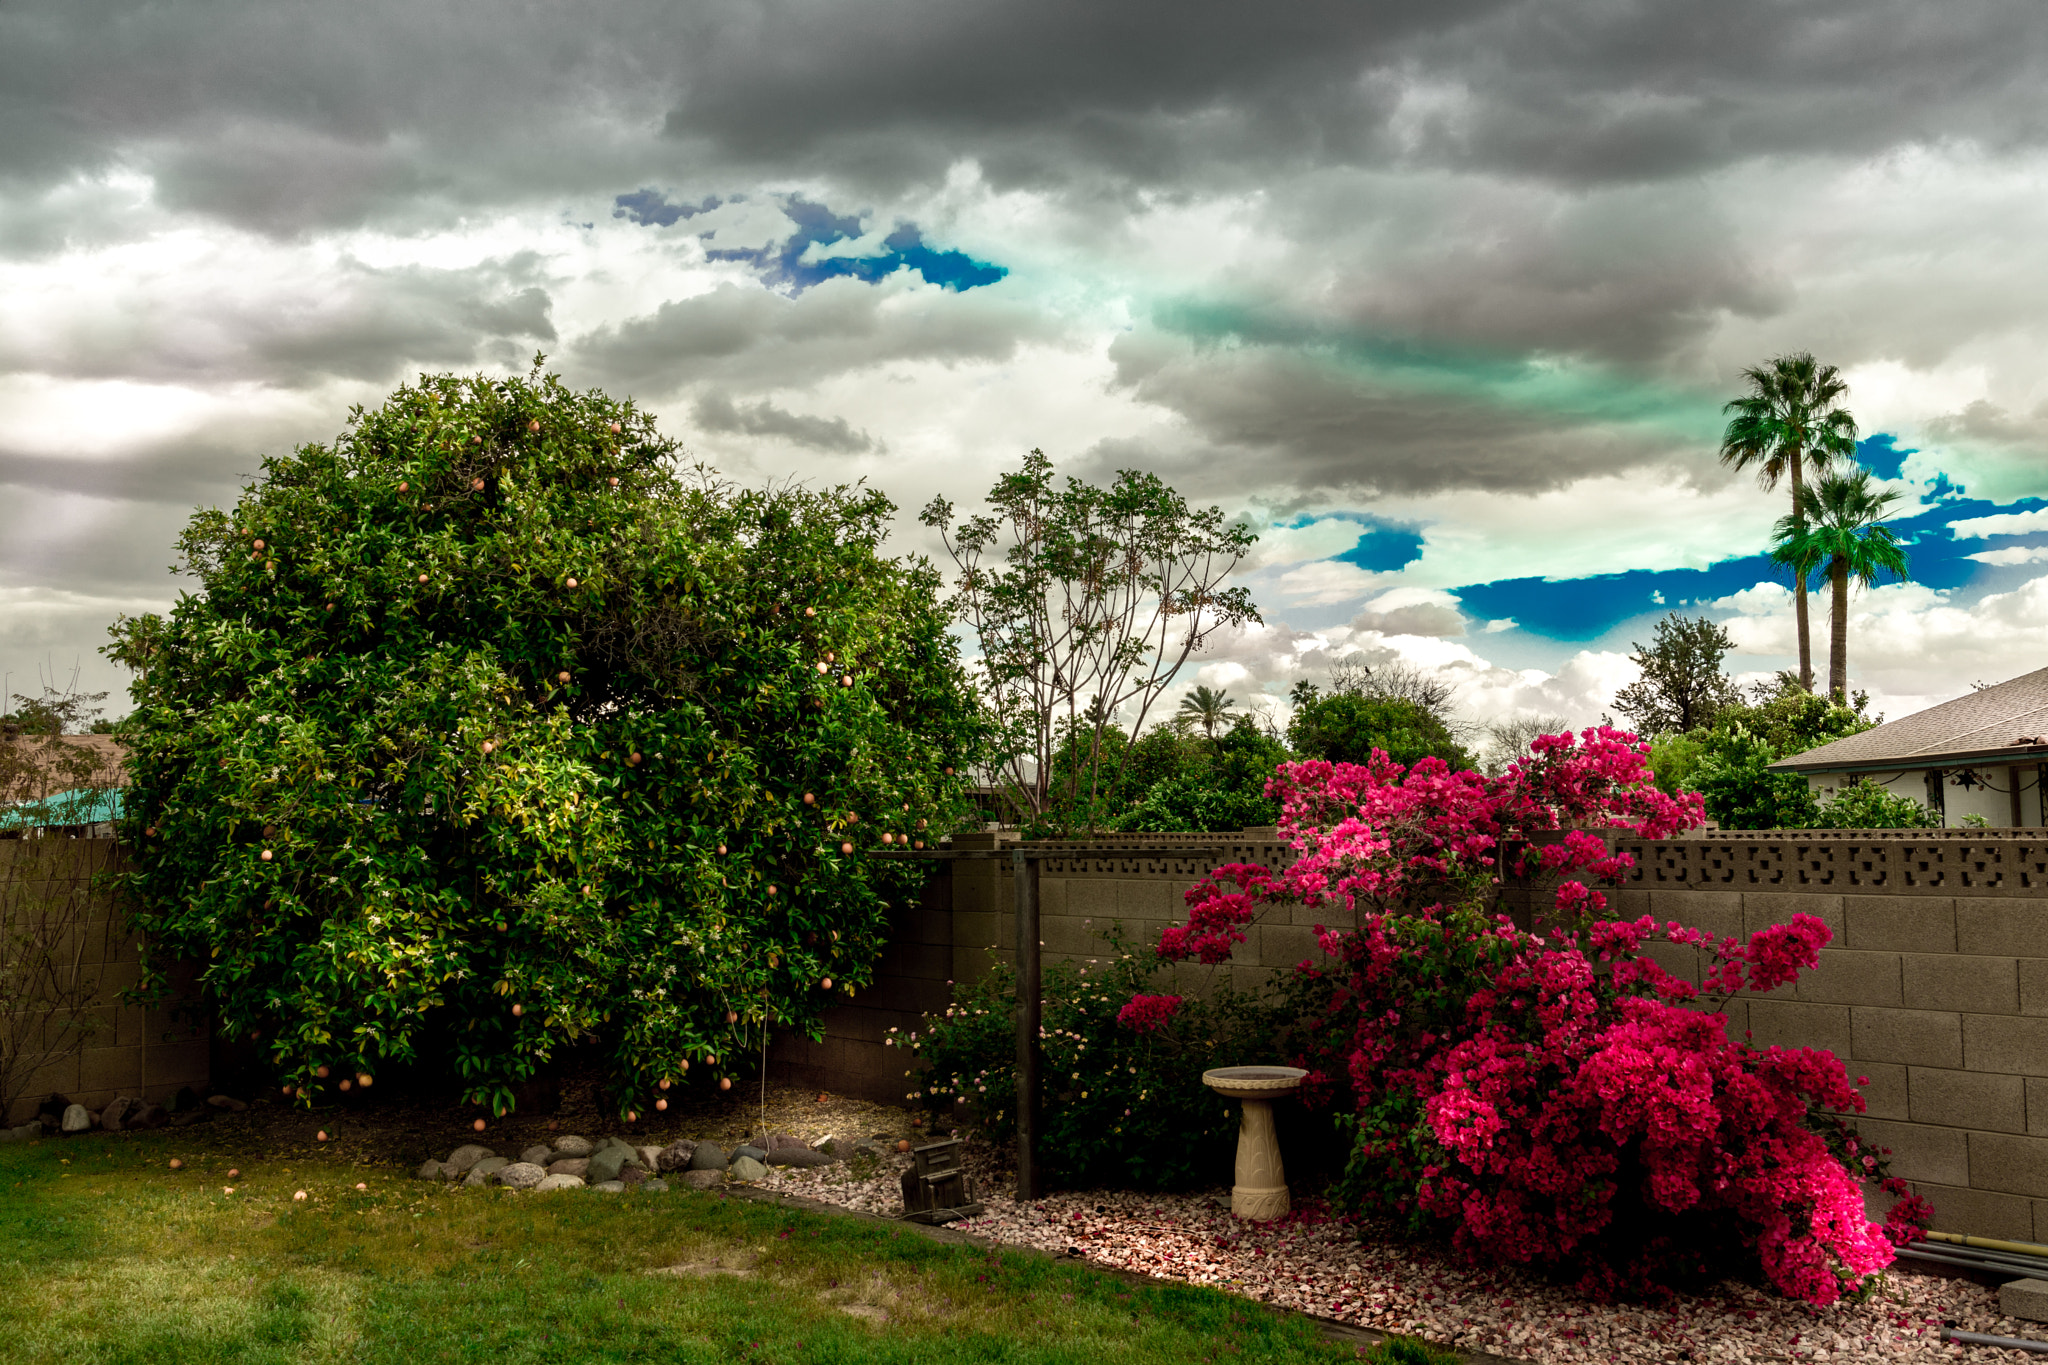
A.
x: 1261, y: 1189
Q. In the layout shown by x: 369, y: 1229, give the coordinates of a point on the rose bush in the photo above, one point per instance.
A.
x: 1552, y: 1095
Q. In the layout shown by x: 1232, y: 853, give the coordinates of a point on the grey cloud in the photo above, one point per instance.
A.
x: 1421, y: 618
x: 717, y: 412
x: 753, y: 340
x: 360, y: 322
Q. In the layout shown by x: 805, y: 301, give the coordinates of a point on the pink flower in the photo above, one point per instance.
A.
x: 1149, y: 1013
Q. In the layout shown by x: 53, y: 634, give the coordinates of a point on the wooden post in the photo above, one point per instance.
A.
x: 1024, y: 873
x: 2012, y: 784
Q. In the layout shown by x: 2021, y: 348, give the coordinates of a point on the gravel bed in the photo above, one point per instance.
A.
x: 1318, y: 1265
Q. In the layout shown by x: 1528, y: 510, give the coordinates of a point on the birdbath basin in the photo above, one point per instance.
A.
x: 1261, y: 1189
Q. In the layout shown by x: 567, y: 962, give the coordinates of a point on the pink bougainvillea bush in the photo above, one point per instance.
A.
x: 1551, y: 1096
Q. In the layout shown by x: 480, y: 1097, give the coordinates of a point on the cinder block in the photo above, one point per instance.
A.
x: 1977, y: 1213
x: 1153, y: 900
x: 1922, y: 1151
x: 110, y: 1068
x: 1717, y: 912
x: 1967, y: 1099
x: 1069, y: 935
x: 2006, y: 1043
x: 1906, y: 924
x: 1676, y: 959
x: 2026, y: 1300
x: 1283, y: 945
x: 1997, y: 926
x: 1915, y: 1037
x: 976, y: 931
x: 1054, y: 895
x: 1887, y: 1096
x: 2033, y: 972
x: 1851, y: 978
x: 1762, y: 909
x: 2037, y: 1105
x: 1626, y: 902
x: 2009, y: 1163
x: 1790, y: 1023
x: 1948, y: 981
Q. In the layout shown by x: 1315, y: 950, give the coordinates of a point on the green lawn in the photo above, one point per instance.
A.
x: 107, y: 1255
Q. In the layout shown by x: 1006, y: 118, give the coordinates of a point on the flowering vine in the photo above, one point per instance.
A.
x: 1550, y: 1093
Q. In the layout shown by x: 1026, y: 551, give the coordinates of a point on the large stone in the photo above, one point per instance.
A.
x: 578, y: 1166
x: 146, y: 1115
x: 675, y: 1156
x: 781, y: 1140
x: 649, y: 1157
x: 462, y: 1158
x: 227, y: 1102
x: 559, y: 1182
x: 605, y: 1164
x: 77, y: 1118
x: 570, y: 1145
x: 610, y: 1186
x: 799, y: 1156
x: 746, y: 1168
x: 655, y: 1187
x: 631, y: 1175
x: 750, y: 1150
x: 521, y: 1175
x: 481, y: 1173
x: 538, y: 1155
x: 703, y: 1180
x: 708, y: 1157
x: 434, y: 1170
x: 116, y: 1113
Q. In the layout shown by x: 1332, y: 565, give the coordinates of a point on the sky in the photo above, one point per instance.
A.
x: 1442, y: 299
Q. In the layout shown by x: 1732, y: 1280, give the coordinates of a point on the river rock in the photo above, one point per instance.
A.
x: 434, y: 1170
x: 655, y: 1186
x: 675, y: 1156
x: 145, y: 1115
x: 570, y: 1145
x: 708, y: 1157
x: 227, y: 1102
x: 462, y: 1158
x: 521, y: 1175
x: 538, y: 1155
x: 605, y: 1164
x: 650, y: 1157
x: 481, y: 1173
x: 703, y: 1180
x: 116, y: 1113
x: 559, y: 1182
x: 750, y: 1150
x: 610, y: 1186
x: 631, y: 1175
x: 802, y: 1157
x: 577, y: 1166
x: 746, y: 1168
x: 77, y: 1118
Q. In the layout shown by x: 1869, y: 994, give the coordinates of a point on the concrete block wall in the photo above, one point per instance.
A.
x: 1935, y: 986
x: 149, y: 1052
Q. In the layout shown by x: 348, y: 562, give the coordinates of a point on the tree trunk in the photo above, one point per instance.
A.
x: 1838, y: 630
x: 1799, y: 581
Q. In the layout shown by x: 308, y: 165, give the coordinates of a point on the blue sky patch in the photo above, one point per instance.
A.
x: 650, y: 208
x: 1383, y: 546
x: 783, y: 262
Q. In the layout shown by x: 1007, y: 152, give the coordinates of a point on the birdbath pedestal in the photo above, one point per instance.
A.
x: 1261, y: 1189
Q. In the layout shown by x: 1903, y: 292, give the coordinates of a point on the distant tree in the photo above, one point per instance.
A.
x: 1343, y: 728
x: 1843, y: 537
x: 1791, y: 420
x: 1083, y: 592
x: 1224, y: 790
x: 1682, y: 685
x: 1207, y: 708
x: 1509, y: 740
x: 1861, y: 804
x: 1729, y: 761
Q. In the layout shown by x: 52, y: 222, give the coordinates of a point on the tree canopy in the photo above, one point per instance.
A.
x: 1346, y: 728
x: 489, y: 733
x: 1682, y: 685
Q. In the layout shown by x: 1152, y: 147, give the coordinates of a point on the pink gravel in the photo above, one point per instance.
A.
x: 1322, y: 1266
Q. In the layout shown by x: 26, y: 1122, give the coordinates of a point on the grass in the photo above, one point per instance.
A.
x: 110, y: 1256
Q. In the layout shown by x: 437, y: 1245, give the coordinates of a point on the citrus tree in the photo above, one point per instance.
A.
x: 491, y: 732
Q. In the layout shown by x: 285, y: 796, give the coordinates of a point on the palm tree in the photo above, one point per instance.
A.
x: 1844, y: 537
x: 1207, y: 708
x: 1791, y: 420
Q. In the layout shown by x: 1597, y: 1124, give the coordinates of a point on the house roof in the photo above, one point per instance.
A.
x: 85, y: 806
x: 2007, y: 722
x: 28, y: 772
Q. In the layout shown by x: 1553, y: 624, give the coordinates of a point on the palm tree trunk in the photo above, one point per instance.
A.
x: 1799, y: 581
x: 1838, y: 630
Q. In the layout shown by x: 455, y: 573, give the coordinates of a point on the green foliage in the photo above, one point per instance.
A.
x: 1728, y: 761
x: 1682, y: 685
x: 1409, y: 1351
x: 1221, y: 790
x: 488, y: 734
x: 1346, y: 728
x: 1741, y: 791
x: 1120, y: 1107
x: 1860, y: 804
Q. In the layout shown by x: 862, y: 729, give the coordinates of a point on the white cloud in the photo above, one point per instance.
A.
x: 2003, y: 524
x: 2017, y: 554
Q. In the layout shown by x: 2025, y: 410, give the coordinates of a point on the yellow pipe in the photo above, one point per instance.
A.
x: 1989, y: 1243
